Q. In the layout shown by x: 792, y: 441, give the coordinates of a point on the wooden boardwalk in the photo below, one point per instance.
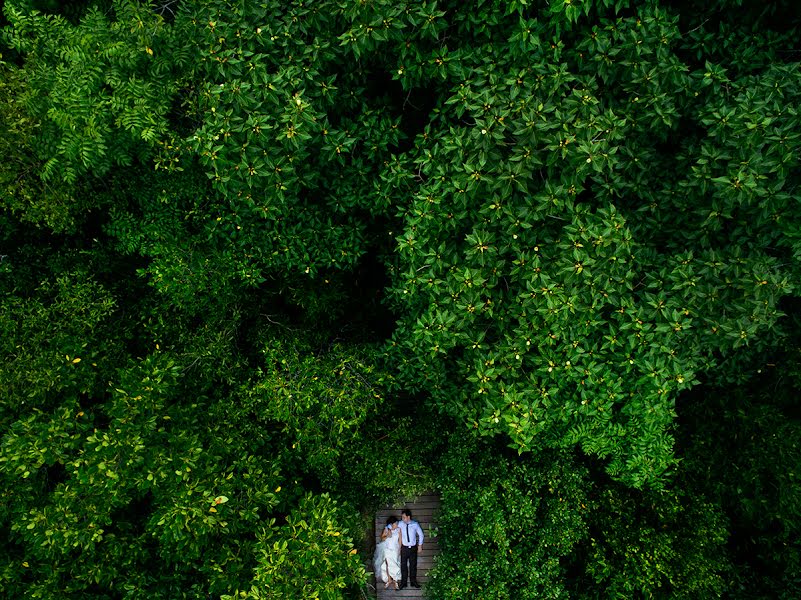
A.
x: 424, y: 510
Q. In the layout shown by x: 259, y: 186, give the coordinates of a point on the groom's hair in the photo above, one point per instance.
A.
x: 407, y: 512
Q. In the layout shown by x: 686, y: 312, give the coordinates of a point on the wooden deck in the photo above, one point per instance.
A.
x: 424, y: 510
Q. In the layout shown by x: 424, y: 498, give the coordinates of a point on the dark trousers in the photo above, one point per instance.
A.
x: 410, y: 555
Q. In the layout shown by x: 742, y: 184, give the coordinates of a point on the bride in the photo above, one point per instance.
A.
x: 387, y: 554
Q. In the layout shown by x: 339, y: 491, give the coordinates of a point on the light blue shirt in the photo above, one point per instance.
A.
x: 412, y: 534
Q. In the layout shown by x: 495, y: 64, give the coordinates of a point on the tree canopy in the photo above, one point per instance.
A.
x: 267, y: 265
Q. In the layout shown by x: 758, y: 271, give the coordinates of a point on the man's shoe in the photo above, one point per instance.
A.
x: 416, y: 585
x: 402, y: 586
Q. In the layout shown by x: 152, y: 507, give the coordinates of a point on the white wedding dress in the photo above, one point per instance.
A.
x: 387, y: 558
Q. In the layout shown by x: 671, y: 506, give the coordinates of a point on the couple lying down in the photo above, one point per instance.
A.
x: 396, y: 554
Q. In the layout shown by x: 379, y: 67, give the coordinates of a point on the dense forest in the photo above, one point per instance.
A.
x: 266, y: 265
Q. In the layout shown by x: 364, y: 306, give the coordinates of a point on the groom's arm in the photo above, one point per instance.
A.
x: 421, y: 538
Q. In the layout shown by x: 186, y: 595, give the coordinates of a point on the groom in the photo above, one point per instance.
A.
x: 412, y: 544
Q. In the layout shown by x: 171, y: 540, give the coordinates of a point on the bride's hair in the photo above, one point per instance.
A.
x: 391, y: 520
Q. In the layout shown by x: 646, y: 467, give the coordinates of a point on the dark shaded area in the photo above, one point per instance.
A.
x: 414, y: 107
x: 167, y: 9
x: 780, y: 16
x: 54, y: 475
x: 368, y: 316
x: 182, y: 120
x: 739, y: 447
x: 15, y: 552
x: 131, y: 519
x: 742, y: 18
x: 101, y: 419
x: 72, y: 10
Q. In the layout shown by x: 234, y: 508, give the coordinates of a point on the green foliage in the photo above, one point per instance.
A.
x: 134, y: 496
x: 55, y: 345
x: 652, y: 544
x: 136, y: 476
x: 309, y: 557
x: 100, y: 89
x: 162, y: 217
x: 506, y: 523
x: 288, y: 134
x: 21, y: 189
x: 545, y: 527
x: 320, y: 402
x: 754, y: 431
x: 330, y: 407
x: 392, y: 458
x: 557, y: 274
